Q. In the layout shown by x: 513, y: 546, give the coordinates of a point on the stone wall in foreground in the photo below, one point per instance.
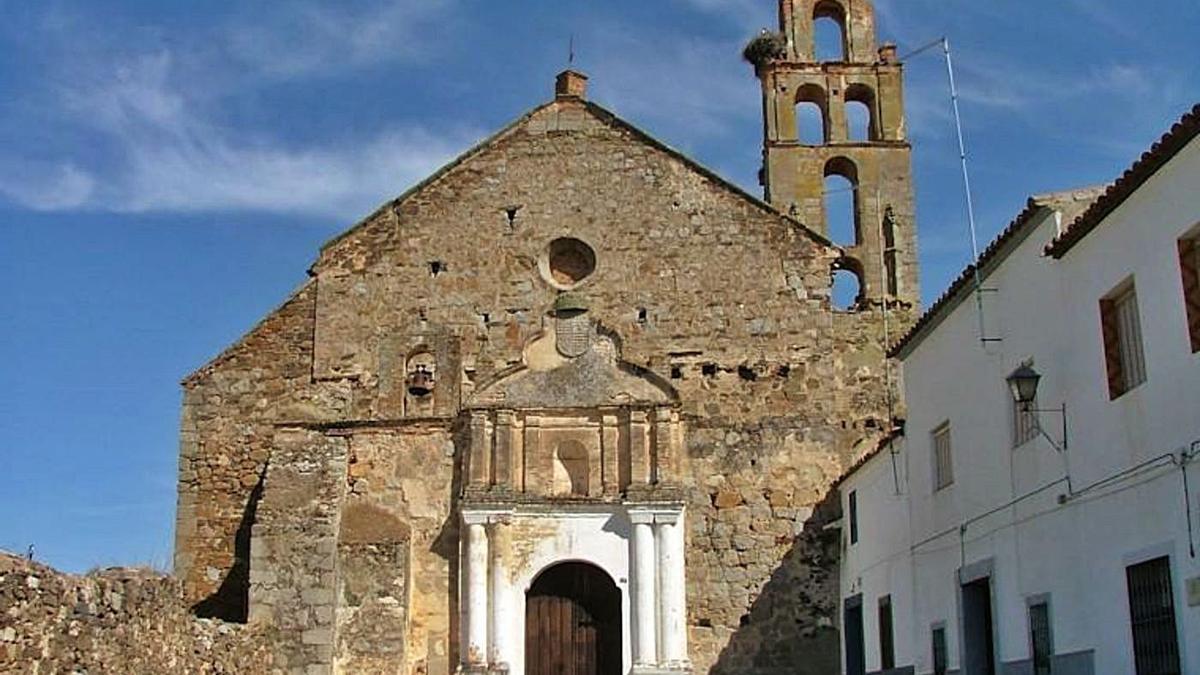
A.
x: 120, y: 620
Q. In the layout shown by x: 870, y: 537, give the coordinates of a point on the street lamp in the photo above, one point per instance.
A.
x: 1023, y: 383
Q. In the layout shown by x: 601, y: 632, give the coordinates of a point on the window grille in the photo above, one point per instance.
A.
x: 887, y: 645
x: 1132, y: 361
x: 1122, y: 334
x: 943, y: 466
x: 1039, y: 634
x: 939, y: 651
x: 1152, y: 617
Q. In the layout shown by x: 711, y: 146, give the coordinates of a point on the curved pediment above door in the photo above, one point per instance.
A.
x: 574, y: 364
x: 572, y: 421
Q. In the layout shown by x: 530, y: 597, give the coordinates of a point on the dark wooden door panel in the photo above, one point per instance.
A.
x: 561, y: 638
x: 573, y: 623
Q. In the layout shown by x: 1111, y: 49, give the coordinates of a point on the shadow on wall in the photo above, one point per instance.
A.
x: 231, y: 600
x: 791, y: 628
x: 446, y: 544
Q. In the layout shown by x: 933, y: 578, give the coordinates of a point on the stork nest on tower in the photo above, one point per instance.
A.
x: 765, y: 48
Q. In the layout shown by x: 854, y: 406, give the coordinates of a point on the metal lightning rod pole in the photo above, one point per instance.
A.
x: 966, y: 175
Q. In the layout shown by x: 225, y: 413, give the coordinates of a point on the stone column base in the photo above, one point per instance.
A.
x: 672, y: 669
x: 482, y: 670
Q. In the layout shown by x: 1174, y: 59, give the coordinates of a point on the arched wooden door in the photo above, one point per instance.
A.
x: 573, y: 622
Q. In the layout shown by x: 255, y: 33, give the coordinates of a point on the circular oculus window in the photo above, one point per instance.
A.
x: 567, y: 262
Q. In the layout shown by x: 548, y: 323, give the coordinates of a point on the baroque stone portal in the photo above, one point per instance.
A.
x: 573, y: 458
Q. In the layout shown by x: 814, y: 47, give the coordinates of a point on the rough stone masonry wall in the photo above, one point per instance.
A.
x: 294, y: 546
x: 230, y: 410
x: 120, y: 621
x: 399, y: 507
x: 723, y: 298
x: 761, y: 569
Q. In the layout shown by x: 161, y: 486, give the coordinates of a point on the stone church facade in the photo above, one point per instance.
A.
x: 571, y: 404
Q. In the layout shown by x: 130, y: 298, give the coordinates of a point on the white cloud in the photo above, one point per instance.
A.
x: 154, y: 141
x: 1103, y: 15
x: 1050, y: 99
x: 170, y: 157
x: 991, y: 82
x: 312, y: 38
x: 208, y: 171
x: 46, y: 187
x: 679, y: 84
x: 748, y: 15
x: 125, y: 93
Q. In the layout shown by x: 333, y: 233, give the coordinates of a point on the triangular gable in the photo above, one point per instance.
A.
x: 606, y: 117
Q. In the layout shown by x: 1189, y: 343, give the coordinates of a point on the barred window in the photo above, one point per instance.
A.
x: 1152, y: 618
x: 1122, y: 332
x: 1039, y: 637
x: 943, y: 465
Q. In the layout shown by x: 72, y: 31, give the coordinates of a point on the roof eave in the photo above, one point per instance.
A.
x: 1170, y: 144
x: 962, y: 287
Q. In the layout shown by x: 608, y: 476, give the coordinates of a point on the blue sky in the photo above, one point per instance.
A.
x: 169, y: 169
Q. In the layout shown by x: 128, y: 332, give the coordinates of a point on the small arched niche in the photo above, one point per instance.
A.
x: 571, y: 469
x: 812, y: 113
x: 889, y: 251
x: 841, y: 202
x: 420, y: 379
x: 829, y: 32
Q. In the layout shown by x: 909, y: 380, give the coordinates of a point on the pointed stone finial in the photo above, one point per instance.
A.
x: 570, y: 84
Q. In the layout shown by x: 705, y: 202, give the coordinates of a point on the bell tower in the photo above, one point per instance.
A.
x: 871, y: 158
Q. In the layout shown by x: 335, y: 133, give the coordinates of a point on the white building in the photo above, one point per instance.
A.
x: 979, y: 541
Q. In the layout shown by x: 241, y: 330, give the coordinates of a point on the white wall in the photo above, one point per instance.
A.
x: 1047, y: 310
x: 876, y: 566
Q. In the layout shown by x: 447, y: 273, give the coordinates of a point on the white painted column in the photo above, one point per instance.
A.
x: 672, y: 590
x: 501, y: 622
x: 645, y: 616
x: 475, y: 653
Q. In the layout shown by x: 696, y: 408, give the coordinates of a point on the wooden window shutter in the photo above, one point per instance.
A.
x: 1189, y: 261
x: 1110, y: 329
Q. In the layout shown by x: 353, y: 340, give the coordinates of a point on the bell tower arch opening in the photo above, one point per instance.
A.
x: 830, y: 41
x: 863, y: 126
x: 573, y: 622
x: 847, y: 291
x: 841, y: 202
x: 860, y: 114
x: 812, y: 115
